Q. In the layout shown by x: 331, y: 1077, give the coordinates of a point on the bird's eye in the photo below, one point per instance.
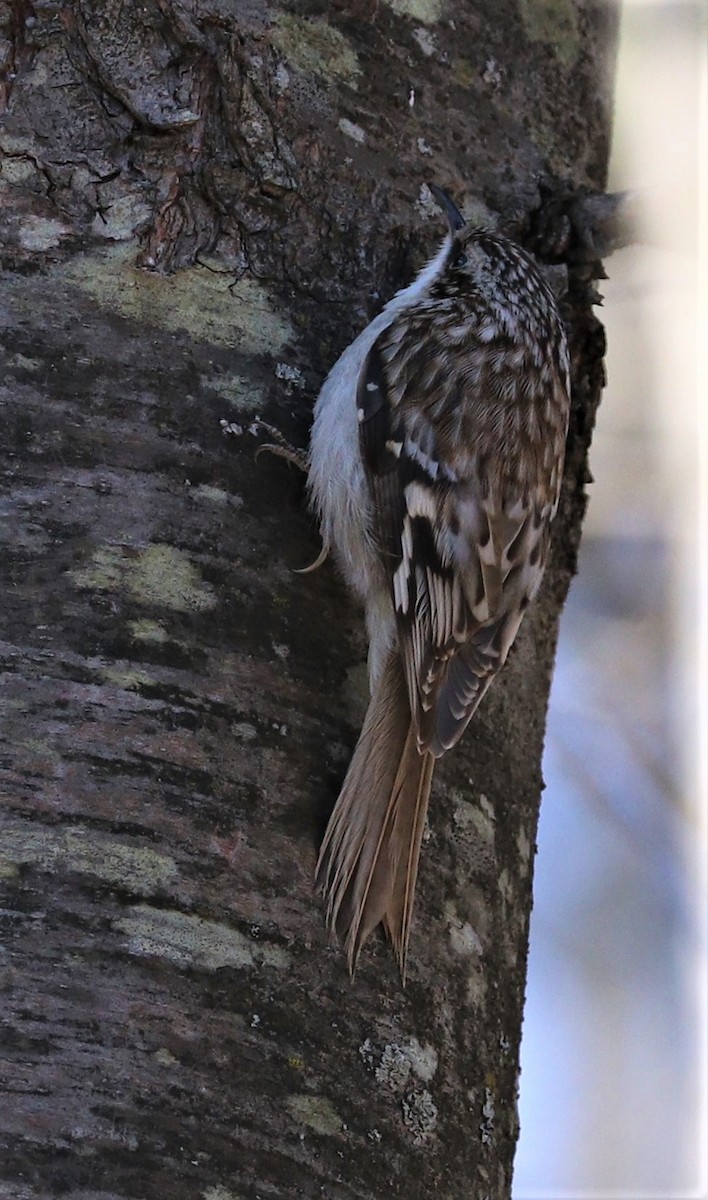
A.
x: 460, y: 261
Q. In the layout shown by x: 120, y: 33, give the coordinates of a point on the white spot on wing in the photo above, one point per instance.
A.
x: 420, y: 502
x: 407, y: 541
x: 480, y: 612
x: 400, y: 587
x: 430, y: 465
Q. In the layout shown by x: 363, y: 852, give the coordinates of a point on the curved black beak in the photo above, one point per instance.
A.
x: 453, y: 214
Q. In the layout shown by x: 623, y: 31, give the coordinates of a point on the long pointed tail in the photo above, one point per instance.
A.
x: 369, y: 858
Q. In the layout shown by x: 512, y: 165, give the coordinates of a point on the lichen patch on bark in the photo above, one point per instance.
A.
x: 207, y: 305
x: 190, y: 941
x: 313, y: 46
x: 556, y: 24
x: 426, y: 11
x: 316, y: 1112
x: 158, y: 574
x: 138, y: 869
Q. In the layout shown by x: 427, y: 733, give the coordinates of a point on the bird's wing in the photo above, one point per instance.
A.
x: 464, y: 472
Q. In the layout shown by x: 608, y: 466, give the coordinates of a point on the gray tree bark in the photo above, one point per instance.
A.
x: 202, y: 202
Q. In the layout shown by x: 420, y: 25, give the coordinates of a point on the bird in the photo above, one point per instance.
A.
x: 435, y: 467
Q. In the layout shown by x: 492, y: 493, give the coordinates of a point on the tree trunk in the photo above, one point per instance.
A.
x: 202, y: 203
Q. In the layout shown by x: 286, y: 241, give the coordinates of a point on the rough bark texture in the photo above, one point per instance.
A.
x: 202, y: 201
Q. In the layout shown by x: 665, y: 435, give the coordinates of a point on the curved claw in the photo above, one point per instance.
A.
x: 281, y: 449
x: 321, y: 557
x: 287, y: 452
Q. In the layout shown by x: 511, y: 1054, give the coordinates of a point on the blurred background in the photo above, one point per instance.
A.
x: 614, y: 1067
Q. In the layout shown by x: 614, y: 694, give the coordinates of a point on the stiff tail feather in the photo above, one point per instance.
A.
x: 369, y: 858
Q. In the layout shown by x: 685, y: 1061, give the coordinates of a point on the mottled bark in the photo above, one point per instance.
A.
x: 201, y: 202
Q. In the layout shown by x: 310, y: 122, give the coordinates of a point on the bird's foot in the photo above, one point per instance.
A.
x: 281, y: 448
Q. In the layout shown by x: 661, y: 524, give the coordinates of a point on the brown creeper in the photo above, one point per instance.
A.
x: 435, y: 468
